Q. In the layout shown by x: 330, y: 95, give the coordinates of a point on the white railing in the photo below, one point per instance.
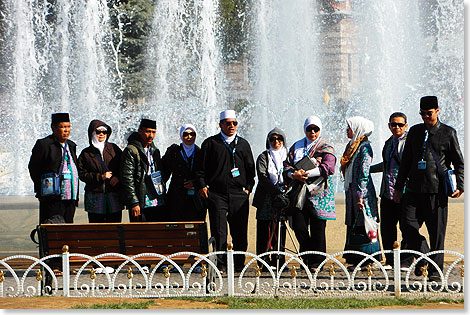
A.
x: 203, y: 278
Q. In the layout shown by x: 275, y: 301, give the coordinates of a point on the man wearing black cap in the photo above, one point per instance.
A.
x: 430, y: 150
x: 142, y: 176
x: 52, y: 168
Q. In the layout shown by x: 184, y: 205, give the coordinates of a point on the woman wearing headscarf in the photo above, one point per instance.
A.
x: 98, y: 168
x: 358, y: 185
x: 319, y: 204
x: 269, y: 167
x: 180, y: 161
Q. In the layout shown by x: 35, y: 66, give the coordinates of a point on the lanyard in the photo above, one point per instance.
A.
x: 186, y: 159
x: 150, y: 159
x: 426, y: 134
x: 234, y: 148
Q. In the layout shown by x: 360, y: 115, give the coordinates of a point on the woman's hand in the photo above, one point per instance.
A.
x: 204, y: 192
x: 360, y: 203
x: 300, y: 175
x: 135, y: 211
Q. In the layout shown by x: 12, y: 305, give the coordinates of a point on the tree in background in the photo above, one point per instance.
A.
x: 233, y: 15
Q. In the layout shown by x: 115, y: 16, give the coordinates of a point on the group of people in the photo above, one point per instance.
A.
x: 294, y: 184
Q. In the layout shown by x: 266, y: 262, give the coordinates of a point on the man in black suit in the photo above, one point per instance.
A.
x: 225, y: 178
x: 431, y: 148
x: 56, y: 154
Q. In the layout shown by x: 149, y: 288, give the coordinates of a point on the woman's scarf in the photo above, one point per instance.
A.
x: 96, y: 143
x: 188, y: 149
x: 275, y: 164
x: 361, y: 129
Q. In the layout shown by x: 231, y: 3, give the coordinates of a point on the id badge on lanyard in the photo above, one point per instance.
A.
x: 422, y: 163
x: 234, y: 171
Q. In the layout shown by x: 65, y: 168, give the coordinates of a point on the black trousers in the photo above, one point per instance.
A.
x: 232, y: 208
x: 313, y: 240
x: 64, y: 208
x: 430, y: 209
x: 115, y: 217
x: 390, y: 213
x: 267, y: 238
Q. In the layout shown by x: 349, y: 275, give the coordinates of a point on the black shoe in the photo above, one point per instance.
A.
x: 418, y: 271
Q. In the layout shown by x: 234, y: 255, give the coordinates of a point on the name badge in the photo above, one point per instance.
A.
x: 66, y: 174
x: 422, y: 165
x: 191, y: 192
x: 235, y: 172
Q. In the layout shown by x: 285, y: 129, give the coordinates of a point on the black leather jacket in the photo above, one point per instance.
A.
x: 443, y: 140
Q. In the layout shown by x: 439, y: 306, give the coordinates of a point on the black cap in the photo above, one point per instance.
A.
x: 59, y: 117
x: 147, y: 123
x: 428, y: 102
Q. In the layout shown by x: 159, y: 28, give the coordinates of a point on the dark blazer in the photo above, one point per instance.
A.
x: 90, y: 168
x: 217, y: 163
x: 46, y: 157
x: 380, y: 167
x: 176, y: 166
x: 265, y: 186
x: 443, y: 140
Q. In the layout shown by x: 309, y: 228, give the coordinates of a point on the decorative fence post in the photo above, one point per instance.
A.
x: 230, y: 270
x: 66, y: 270
x: 396, y: 269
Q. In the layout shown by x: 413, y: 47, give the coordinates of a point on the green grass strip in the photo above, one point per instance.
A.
x: 116, y: 306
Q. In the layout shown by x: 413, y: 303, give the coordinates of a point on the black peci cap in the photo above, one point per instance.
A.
x: 59, y: 117
x: 428, y: 102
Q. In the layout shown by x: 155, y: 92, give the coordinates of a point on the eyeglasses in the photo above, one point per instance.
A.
x: 427, y: 113
x: 273, y: 139
x: 394, y: 124
x: 192, y: 134
x: 229, y: 123
x: 314, y: 128
x: 101, y: 132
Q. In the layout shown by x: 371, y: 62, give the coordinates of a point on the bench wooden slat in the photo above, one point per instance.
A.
x: 83, y: 243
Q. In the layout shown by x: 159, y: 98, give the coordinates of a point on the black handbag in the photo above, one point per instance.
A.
x: 450, y: 180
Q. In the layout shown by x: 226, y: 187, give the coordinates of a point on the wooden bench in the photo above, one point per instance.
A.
x: 125, y: 238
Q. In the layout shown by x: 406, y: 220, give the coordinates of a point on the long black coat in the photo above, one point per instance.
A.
x: 184, y: 207
x: 46, y: 157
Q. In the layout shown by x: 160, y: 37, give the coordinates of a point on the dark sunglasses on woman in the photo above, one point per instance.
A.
x: 101, y: 132
x: 274, y: 138
x: 185, y: 134
x: 314, y: 128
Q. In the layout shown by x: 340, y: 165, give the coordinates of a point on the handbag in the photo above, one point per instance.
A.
x: 450, y: 180
x: 359, y: 241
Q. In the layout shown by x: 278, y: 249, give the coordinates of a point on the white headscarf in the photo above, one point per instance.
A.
x: 360, y: 126
x: 188, y: 149
x: 96, y: 143
x: 275, y: 162
x: 299, y: 149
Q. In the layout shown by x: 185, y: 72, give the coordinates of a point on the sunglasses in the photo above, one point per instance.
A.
x: 394, y: 124
x: 229, y: 123
x: 192, y: 134
x: 426, y: 113
x: 273, y: 139
x: 101, y: 132
x: 312, y: 128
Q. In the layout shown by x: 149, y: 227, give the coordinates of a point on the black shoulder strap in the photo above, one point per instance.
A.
x: 98, y: 156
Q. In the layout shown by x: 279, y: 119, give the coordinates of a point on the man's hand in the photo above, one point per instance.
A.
x: 188, y: 184
x: 300, y: 175
x: 457, y: 193
x: 135, y: 211
x: 204, y: 192
x: 107, y: 175
x: 397, y: 196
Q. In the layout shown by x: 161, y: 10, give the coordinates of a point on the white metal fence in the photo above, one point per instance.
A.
x: 332, y: 278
